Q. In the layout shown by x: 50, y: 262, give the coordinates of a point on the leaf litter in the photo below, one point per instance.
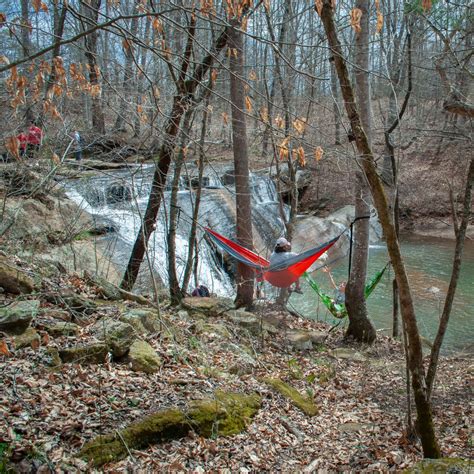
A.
x: 47, y: 414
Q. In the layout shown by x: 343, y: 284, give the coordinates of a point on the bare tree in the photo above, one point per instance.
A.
x: 360, y: 327
x: 245, y: 275
x: 415, y: 356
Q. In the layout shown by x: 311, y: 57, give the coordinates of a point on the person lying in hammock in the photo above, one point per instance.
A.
x: 339, y: 289
x: 282, y: 252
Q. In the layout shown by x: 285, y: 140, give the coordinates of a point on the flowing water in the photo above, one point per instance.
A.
x: 428, y: 261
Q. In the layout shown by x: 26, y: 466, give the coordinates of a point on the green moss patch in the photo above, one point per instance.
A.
x: 441, y: 466
x: 305, y: 404
x: 227, y: 414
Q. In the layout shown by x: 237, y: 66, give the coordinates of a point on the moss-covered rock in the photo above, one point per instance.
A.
x: 13, y: 279
x: 143, y: 358
x: 245, y: 320
x: 203, y: 327
x: 58, y: 329
x: 299, y: 339
x: 442, y: 466
x: 144, y: 321
x: 227, y: 414
x: 305, y: 404
x: 29, y: 337
x: 210, y: 307
x: 347, y: 353
x: 118, y: 335
x: 86, y: 354
x: 104, y: 287
x: 15, y: 318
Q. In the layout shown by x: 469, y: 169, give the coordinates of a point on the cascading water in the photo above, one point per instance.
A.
x: 121, y: 198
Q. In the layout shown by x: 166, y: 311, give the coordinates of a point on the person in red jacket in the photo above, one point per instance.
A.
x: 35, y: 137
x: 23, y: 139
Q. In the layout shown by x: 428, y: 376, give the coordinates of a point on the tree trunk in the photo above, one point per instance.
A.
x: 360, y: 327
x: 423, y: 405
x: 91, y: 12
x: 128, y: 71
x: 186, y: 89
x: 173, y: 280
x: 27, y: 48
x: 245, y: 274
x: 335, y: 108
x: 192, y: 242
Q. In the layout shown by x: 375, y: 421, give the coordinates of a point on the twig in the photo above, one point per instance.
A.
x: 125, y: 444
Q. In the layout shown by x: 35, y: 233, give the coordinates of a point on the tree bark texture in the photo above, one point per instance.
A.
x: 360, y: 327
x: 91, y: 10
x: 245, y: 274
x: 422, y: 402
x: 186, y: 89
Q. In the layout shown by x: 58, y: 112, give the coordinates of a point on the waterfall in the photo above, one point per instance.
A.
x: 120, y: 197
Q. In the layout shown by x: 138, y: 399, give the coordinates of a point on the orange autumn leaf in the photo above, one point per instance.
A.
x: 225, y: 118
x: 44, y: 7
x: 356, y: 15
x: 4, y: 349
x: 55, y: 159
x: 299, y: 125
x: 318, y: 153
x: 253, y: 75
x: 264, y: 114
x: 248, y: 104
x: 426, y: 5
x: 157, y: 25
x: 318, y: 4
x: 279, y: 122
x: 214, y: 75
x: 36, y: 5
x: 379, y: 22
x: 12, y: 144
x: 300, y: 154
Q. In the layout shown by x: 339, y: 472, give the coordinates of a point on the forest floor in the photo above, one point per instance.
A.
x: 48, y: 413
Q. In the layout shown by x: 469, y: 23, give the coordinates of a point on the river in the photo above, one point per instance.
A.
x: 428, y: 262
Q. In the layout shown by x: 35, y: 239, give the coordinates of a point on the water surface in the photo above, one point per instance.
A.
x: 428, y: 262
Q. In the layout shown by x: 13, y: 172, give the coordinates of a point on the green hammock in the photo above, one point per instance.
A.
x: 338, y: 310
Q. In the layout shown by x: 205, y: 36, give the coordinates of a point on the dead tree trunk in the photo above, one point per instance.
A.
x: 423, y: 406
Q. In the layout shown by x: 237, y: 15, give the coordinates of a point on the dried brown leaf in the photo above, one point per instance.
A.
x: 356, y: 16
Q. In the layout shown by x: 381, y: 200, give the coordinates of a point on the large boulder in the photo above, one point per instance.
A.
x: 207, y: 306
x: 143, y: 358
x: 298, y: 339
x: 85, y: 354
x: 28, y: 338
x: 245, y: 320
x: 118, y: 335
x: 15, y: 318
x: 13, y: 279
x: 61, y: 328
x: 144, y: 321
